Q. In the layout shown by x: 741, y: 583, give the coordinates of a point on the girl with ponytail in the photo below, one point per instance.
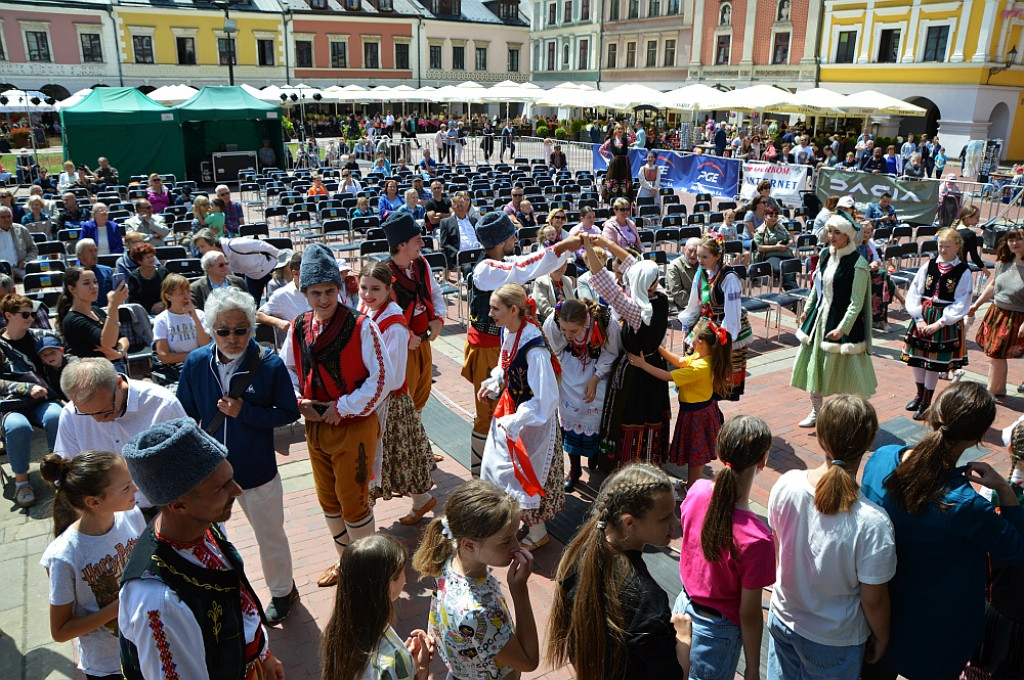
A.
x: 836, y: 555
x: 610, y: 619
x: 469, y: 620
x: 727, y: 556
x: 586, y: 345
x: 702, y: 378
x: 945, y: 534
x: 96, y: 525
x: 523, y: 452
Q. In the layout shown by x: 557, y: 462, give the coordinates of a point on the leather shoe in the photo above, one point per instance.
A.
x: 281, y: 606
x: 329, y: 577
x: 415, y: 515
x: 571, y: 479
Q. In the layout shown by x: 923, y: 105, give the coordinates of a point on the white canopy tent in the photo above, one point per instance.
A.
x: 697, y: 97
x: 758, y: 98
x: 73, y: 99
x: 269, y: 94
x: 169, y: 95
x: 872, y: 103
x: 814, y: 102
x: 630, y: 96
x: 20, y: 101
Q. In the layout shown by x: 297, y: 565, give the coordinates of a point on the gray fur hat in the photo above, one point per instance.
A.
x: 399, y: 227
x: 318, y: 266
x: 171, y: 458
x: 494, y: 228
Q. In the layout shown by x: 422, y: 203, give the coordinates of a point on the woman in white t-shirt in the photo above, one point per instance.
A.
x: 179, y: 328
x: 836, y: 555
x: 96, y: 525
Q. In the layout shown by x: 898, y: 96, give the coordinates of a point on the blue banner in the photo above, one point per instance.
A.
x: 693, y: 173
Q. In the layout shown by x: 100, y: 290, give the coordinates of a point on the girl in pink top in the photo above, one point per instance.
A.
x: 727, y: 557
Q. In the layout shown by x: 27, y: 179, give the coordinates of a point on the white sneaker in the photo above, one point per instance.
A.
x: 957, y: 374
x: 810, y: 421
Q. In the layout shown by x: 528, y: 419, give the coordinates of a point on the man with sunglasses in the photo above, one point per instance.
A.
x: 339, y: 370
x: 517, y: 197
x: 148, y: 224
x: 247, y: 426
x: 233, y: 213
x: 217, y: 276
x: 106, y: 409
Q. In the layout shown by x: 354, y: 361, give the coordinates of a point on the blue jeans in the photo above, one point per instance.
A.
x: 18, y: 432
x: 791, y: 657
x: 717, y: 643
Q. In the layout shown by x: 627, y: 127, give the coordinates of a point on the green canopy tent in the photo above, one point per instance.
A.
x: 136, y: 134
x: 228, y: 115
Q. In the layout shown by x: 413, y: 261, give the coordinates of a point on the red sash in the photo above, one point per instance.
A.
x: 521, y: 465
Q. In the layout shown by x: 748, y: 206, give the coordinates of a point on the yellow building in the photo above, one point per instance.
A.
x: 162, y: 45
x: 960, y: 60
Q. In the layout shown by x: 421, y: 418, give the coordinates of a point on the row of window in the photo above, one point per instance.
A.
x: 567, y: 9
x: 935, y: 43
x: 436, y: 60
x: 780, y: 49
x: 650, y: 57
x: 672, y: 7
x: 37, y: 44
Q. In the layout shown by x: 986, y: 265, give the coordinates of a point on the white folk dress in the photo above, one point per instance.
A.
x: 578, y: 367
x: 532, y: 424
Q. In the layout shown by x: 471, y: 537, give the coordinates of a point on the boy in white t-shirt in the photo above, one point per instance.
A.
x: 836, y: 555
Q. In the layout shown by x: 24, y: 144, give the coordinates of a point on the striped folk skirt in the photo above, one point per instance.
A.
x: 998, y: 336
x: 944, y: 350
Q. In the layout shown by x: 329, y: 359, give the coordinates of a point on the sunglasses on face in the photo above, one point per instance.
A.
x: 225, y: 332
x: 24, y: 315
x: 622, y: 210
x: 517, y: 195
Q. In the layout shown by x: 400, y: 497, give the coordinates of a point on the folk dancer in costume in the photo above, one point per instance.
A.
x: 404, y: 459
x: 186, y: 608
x: 497, y: 234
x: 523, y: 454
x: 715, y: 296
x: 835, y: 326
x: 937, y: 301
x: 618, y: 181
x: 586, y: 341
x: 339, y: 370
x: 636, y: 411
x: 420, y: 299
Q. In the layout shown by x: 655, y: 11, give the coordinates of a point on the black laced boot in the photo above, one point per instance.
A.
x: 926, y: 401
x: 916, y: 402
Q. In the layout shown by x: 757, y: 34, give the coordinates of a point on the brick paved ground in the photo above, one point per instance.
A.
x: 28, y: 653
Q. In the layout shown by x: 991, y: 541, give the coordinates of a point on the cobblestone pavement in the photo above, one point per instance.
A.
x: 28, y: 653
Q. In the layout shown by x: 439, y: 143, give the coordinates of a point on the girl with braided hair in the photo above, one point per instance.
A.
x: 523, y: 452
x: 830, y: 604
x: 702, y: 378
x: 610, y: 619
x: 945, y: 532
x: 586, y: 345
x: 727, y: 556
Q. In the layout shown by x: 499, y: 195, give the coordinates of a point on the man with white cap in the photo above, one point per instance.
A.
x: 497, y: 234
x: 186, y: 608
x: 420, y: 298
x: 339, y: 369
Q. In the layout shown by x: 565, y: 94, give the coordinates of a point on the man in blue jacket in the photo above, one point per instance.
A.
x: 245, y: 425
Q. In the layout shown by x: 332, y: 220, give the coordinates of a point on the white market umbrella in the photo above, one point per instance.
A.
x: 169, y: 95
x: 816, y: 101
x: 570, y: 95
x: 870, y: 102
x: 625, y: 97
x: 20, y: 101
x: 302, y: 91
x: 269, y: 95
x: 756, y: 98
x: 73, y: 99
x: 697, y: 97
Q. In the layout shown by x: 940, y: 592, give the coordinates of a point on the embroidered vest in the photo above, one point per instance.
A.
x: 516, y: 375
x: 842, y: 292
x: 387, y: 323
x: 943, y: 286
x: 337, y: 369
x: 480, y: 314
x: 410, y: 291
x: 212, y: 595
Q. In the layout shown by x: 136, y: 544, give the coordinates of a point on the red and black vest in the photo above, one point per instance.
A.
x: 408, y: 292
x: 330, y: 364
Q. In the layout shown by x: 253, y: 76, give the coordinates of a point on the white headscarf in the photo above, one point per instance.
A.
x: 640, y: 277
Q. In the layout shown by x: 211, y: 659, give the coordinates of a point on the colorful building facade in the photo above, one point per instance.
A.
x: 646, y: 41
x: 565, y: 42
x: 959, y: 60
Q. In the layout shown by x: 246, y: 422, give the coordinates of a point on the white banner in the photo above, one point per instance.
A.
x: 787, y: 181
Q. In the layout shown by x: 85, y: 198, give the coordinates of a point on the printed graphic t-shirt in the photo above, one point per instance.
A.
x: 85, y: 571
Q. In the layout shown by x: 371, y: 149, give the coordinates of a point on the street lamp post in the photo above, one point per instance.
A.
x: 230, y: 27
